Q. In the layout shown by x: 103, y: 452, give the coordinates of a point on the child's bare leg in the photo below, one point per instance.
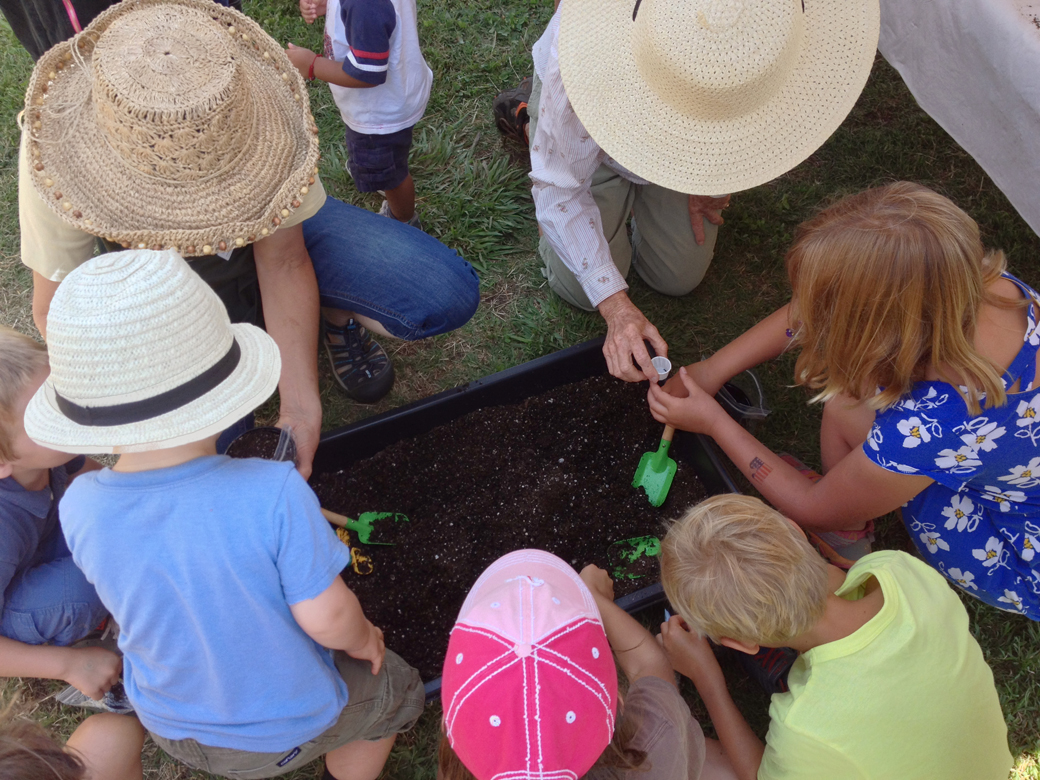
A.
x: 402, y: 199
x: 716, y: 762
x: 846, y: 423
x: 110, y: 746
x: 360, y: 760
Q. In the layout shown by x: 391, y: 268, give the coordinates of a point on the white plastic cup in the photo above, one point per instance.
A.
x: 663, y: 366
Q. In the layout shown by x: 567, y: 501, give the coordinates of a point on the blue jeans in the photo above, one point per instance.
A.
x: 380, y: 268
x: 51, y: 602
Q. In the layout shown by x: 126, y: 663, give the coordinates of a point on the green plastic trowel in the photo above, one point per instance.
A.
x: 656, y: 469
x: 368, y: 526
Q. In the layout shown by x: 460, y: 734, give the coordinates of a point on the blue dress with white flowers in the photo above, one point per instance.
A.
x: 979, y: 523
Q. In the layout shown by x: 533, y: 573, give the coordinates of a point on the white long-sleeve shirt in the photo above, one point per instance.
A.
x: 563, y: 159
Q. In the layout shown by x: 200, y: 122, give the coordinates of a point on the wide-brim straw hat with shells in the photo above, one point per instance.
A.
x: 714, y: 96
x: 143, y: 357
x: 171, y: 124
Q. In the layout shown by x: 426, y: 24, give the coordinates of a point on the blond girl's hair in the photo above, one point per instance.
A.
x: 733, y: 567
x: 21, y: 358
x: 887, y: 282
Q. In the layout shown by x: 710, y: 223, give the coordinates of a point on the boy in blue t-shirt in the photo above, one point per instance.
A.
x: 46, y: 603
x: 244, y: 652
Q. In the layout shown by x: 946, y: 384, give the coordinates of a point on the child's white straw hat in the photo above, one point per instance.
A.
x: 715, y: 96
x: 171, y: 124
x: 143, y: 357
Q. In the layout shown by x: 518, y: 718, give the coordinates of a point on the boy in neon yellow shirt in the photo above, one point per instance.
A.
x: 889, y: 682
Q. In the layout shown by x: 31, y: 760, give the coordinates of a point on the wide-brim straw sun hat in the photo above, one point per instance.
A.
x: 143, y: 357
x: 714, y: 96
x: 171, y: 124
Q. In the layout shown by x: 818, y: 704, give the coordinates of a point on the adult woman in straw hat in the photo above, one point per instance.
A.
x: 635, y: 103
x: 181, y: 124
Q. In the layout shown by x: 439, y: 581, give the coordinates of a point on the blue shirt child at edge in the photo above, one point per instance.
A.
x: 199, y: 564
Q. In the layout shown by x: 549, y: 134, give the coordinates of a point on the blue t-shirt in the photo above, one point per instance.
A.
x: 198, y: 564
x: 30, y: 533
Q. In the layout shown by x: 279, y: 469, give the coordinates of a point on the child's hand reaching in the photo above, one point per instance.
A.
x: 301, y: 58
x: 598, y: 581
x: 373, y: 650
x: 691, y: 655
x: 93, y: 670
x: 696, y: 411
x: 312, y: 9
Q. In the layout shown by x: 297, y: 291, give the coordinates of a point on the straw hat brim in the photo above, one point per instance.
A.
x: 249, y: 385
x: 84, y: 181
x: 688, y: 154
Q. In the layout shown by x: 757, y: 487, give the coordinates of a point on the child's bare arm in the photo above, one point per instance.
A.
x: 334, y: 619
x: 326, y: 70
x: 636, y: 650
x: 762, y: 342
x: 92, y: 670
x: 691, y: 656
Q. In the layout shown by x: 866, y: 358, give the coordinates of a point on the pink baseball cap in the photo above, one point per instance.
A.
x: 529, y: 686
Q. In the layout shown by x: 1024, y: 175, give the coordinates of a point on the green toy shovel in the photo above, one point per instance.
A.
x: 368, y: 525
x: 656, y: 470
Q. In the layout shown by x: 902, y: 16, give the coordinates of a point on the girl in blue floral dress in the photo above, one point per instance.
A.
x: 924, y: 352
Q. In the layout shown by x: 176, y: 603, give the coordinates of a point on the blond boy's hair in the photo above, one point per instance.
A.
x: 21, y: 358
x: 887, y: 282
x: 733, y: 567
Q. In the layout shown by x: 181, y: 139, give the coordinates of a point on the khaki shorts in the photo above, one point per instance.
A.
x: 380, y: 706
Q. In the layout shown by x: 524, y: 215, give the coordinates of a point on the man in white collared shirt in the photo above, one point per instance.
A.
x: 583, y: 199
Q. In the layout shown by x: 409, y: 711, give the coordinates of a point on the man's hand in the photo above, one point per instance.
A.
x: 626, y: 329
x: 598, y: 581
x: 691, y: 655
x: 93, y: 670
x: 696, y: 411
x: 301, y: 58
x: 312, y: 9
x: 306, y: 430
x: 373, y: 650
x: 705, y: 207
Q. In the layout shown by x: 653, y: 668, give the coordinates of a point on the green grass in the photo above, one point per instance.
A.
x: 473, y: 194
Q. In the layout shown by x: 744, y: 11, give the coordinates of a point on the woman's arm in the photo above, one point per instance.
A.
x: 852, y: 492
x: 291, y: 310
x: 636, y: 650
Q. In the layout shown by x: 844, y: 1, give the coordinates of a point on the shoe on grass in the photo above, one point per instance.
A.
x: 510, y: 110
x: 384, y: 211
x: 114, y: 701
x: 361, y: 367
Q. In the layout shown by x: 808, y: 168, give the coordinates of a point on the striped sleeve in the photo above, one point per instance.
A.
x: 368, y: 25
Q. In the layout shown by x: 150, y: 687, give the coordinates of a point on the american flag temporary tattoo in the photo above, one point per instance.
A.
x: 759, y: 470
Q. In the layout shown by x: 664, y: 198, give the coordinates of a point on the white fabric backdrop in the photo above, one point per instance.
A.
x: 974, y: 66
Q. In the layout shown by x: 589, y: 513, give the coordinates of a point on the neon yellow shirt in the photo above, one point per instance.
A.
x: 908, y: 696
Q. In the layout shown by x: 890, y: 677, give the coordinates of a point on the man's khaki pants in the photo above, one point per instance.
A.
x: 663, y: 249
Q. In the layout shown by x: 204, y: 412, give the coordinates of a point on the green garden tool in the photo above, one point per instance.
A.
x: 370, y: 527
x: 633, y: 559
x: 656, y: 470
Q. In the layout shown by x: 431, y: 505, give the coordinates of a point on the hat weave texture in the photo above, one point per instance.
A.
x: 129, y: 326
x: 714, y: 96
x: 171, y: 124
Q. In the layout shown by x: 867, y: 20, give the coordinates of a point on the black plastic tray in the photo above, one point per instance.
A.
x: 363, y: 439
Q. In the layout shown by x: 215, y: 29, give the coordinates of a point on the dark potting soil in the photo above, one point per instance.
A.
x: 553, y: 472
x: 260, y: 443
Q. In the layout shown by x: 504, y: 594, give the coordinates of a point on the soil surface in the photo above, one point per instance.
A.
x: 554, y: 472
